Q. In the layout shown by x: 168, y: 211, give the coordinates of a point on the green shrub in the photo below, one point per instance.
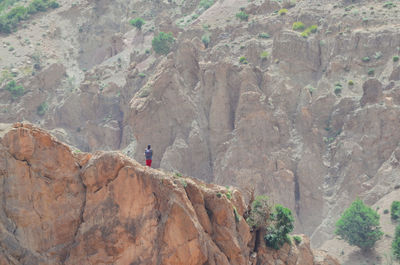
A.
x: 42, y: 108
x: 282, y: 11
x: 277, y: 234
x: 359, y: 226
x: 389, y: 5
x: 378, y: 55
x: 54, y: 4
x: 264, y: 36
x: 228, y: 195
x: 371, y: 71
x: 205, y: 39
x: 242, y: 16
x: 15, y: 90
x: 338, y: 89
x: 395, y: 210
x: 297, y: 239
x: 243, y: 60
x: 264, y: 55
x: 219, y: 194
x: 298, y: 26
x: 206, y: 4
x: 137, y: 22
x: 386, y: 211
x: 309, y: 30
x: 395, y: 58
x: 366, y: 59
x: 142, y: 75
x: 396, y: 243
x: 350, y: 83
x: 162, y: 43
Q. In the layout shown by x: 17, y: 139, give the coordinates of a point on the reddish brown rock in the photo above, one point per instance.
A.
x: 63, y: 207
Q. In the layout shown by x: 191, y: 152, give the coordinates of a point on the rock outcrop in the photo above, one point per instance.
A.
x: 61, y: 206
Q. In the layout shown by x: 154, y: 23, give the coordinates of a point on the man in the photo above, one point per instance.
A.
x: 148, y: 153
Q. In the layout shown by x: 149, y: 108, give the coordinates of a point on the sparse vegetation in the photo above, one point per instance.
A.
x: 309, y: 30
x: 378, y: 55
x: 350, y: 83
x: 260, y: 214
x: 282, y: 11
x: 338, y: 89
x: 386, y: 211
x: 206, y: 39
x: 264, y: 36
x: 206, y: 4
x: 297, y: 239
x: 371, y: 71
x: 298, y: 25
x: 359, y: 226
x: 237, y: 215
x: 137, y: 22
x: 395, y: 210
x: 42, y: 108
x: 162, y: 43
x: 242, y: 16
x: 396, y: 243
x: 243, y: 60
x: 264, y: 55
x: 389, y: 5
x: 366, y: 59
x: 395, y: 58
x: 15, y: 90
x: 10, y: 20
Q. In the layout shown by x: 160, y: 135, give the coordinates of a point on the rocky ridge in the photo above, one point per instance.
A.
x: 60, y: 206
x: 313, y: 123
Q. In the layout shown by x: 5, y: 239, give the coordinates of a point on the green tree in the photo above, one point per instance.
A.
x: 137, y: 22
x: 277, y: 233
x: 396, y: 243
x: 260, y: 213
x: 162, y: 43
x: 395, y: 210
x: 359, y: 226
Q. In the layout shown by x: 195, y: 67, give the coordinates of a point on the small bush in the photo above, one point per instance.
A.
x: 297, y: 239
x: 205, y: 39
x: 264, y: 55
x: 282, y: 11
x: 142, y: 75
x: 242, y: 16
x: 338, y: 89
x: 15, y: 90
x: 350, y: 83
x: 309, y: 30
x: 386, y: 211
x: 54, y: 4
x: 395, y: 210
x: 298, y: 26
x: 396, y: 243
x: 366, y: 59
x: 137, y: 22
x: 264, y: 36
x: 243, y: 60
x: 371, y: 71
x: 389, y: 5
x: 162, y: 43
x: 395, y: 58
x: 206, y: 4
x: 219, y: 194
x: 228, y: 195
x: 378, y: 55
x: 42, y: 108
x: 359, y: 226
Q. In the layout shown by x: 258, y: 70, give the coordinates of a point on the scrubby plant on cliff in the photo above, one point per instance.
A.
x: 260, y: 214
x: 396, y: 243
x: 242, y: 16
x: 359, y: 226
x: 395, y: 58
x: 206, y: 39
x: 15, y: 90
x: 162, y: 43
x: 395, y: 210
x: 137, y: 22
x: 206, y: 4
x: 298, y: 25
x: 282, y: 224
x: 282, y: 11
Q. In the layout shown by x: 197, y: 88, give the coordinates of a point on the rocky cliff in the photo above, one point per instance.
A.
x: 60, y: 206
x: 310, y: 119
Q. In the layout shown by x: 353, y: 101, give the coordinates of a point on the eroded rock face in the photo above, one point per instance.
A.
x: 64, y: 207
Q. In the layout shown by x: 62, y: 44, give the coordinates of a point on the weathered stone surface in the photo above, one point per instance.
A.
x: 64, y: 207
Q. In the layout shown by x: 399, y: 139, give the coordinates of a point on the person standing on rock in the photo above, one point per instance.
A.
x: 148, y: 153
